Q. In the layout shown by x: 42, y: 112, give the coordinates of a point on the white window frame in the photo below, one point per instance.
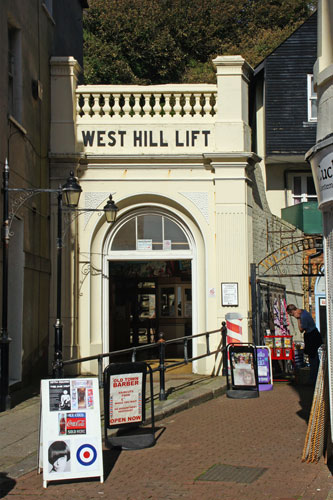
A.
x: 312, y: 96
x: 304, y: 195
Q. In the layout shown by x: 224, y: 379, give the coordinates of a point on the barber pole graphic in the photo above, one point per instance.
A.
x: 234, y: 328
x: 234, y: 331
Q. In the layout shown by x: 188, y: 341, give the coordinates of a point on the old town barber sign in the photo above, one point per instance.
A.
x: 284, y: 261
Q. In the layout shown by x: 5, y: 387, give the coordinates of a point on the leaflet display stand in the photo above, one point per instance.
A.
x: 243, y: 370
x: 124, y: 406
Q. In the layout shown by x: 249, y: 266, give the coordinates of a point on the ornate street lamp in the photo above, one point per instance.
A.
x: 70, y: 194
x: 71, y: 191
x: 110, y: 210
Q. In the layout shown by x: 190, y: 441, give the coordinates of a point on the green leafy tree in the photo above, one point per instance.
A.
x: 162, y: 41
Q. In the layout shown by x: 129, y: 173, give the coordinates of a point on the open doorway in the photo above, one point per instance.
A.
x: 149, y: 297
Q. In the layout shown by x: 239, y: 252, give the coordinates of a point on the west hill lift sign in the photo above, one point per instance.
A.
x: 136, y: 139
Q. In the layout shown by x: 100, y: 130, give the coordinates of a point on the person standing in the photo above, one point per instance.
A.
x: 312, y: 337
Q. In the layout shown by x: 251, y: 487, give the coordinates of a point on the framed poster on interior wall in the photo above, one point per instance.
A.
x: 229, y: 293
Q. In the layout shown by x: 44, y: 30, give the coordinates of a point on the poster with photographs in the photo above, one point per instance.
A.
x: 243, y: 373
x: 60, y: 395
x: 71, y: 427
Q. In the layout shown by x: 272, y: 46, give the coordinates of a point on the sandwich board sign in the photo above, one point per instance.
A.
x: 265, y: 372
x: 70, y: 440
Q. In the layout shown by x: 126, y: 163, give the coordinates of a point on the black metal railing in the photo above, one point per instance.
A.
x: 160, y: 347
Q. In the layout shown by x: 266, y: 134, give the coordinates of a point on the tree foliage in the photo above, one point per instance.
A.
x: 163, y: 41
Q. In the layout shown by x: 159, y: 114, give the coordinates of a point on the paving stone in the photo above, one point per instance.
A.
x: 267, y: 432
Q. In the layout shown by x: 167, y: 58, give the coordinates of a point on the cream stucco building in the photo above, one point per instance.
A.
x: 192, y: 208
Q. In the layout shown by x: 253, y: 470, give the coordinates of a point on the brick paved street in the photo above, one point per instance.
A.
x: 266, y: 432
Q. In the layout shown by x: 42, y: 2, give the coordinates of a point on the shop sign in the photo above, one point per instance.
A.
x: 70, y: 441
x: 125, y: 399
x: 282, y: 253
x: 143, y: 138
x: 322, y: 171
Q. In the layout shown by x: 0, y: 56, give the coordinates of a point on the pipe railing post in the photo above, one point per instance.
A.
x: 207, y: 344
x: 100, y: 372
x: 224, y: 349
x: 161, y: 347
x: 186, y: 351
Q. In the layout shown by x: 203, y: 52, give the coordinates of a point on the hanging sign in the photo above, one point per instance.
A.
x: 322, y: 171
x: 70, y: 442
x: 264, y: 368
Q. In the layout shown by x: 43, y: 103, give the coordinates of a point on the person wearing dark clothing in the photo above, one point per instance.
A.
x: 312, y: 337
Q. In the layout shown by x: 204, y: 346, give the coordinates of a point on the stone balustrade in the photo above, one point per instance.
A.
x: 133, y: 102
x: 173, y: 118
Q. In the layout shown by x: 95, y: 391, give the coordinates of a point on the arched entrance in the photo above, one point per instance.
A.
x: 150, y: 262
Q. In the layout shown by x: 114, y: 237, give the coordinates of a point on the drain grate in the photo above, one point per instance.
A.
x: 232, y: 473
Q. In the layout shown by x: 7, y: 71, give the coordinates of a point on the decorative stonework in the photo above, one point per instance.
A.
x: 200, y: 200
x: 93, y: 200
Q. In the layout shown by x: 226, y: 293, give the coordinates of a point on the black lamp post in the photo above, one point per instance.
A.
x: 70, y: 193
x: 4, y: 339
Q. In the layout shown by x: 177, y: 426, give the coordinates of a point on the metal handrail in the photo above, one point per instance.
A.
x: 161, y: 346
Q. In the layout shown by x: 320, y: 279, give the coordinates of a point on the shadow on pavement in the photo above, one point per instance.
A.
x: 18, y: 396
x: 305, y: 393
x: 185, y: 385
x: 6, y: 484
x: 110, y: 457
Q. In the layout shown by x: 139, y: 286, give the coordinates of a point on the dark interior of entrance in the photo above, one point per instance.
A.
x: 149, y: 297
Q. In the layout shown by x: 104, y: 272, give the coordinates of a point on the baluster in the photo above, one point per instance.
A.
x: 157, y: 106
x: 215, y: 107
x: 197, y: 105
x: 86, y: 106
x: 187, y: 105
x: 167, y: 106
x: 177, y: 107
x: 137, y: 107
x: 126, y: 107
x: 78, y: 107
x: 96, y: 107
x: 106, y: 108
x: 207, y: 107
x: 147, y: 106
x: 116, y: 106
